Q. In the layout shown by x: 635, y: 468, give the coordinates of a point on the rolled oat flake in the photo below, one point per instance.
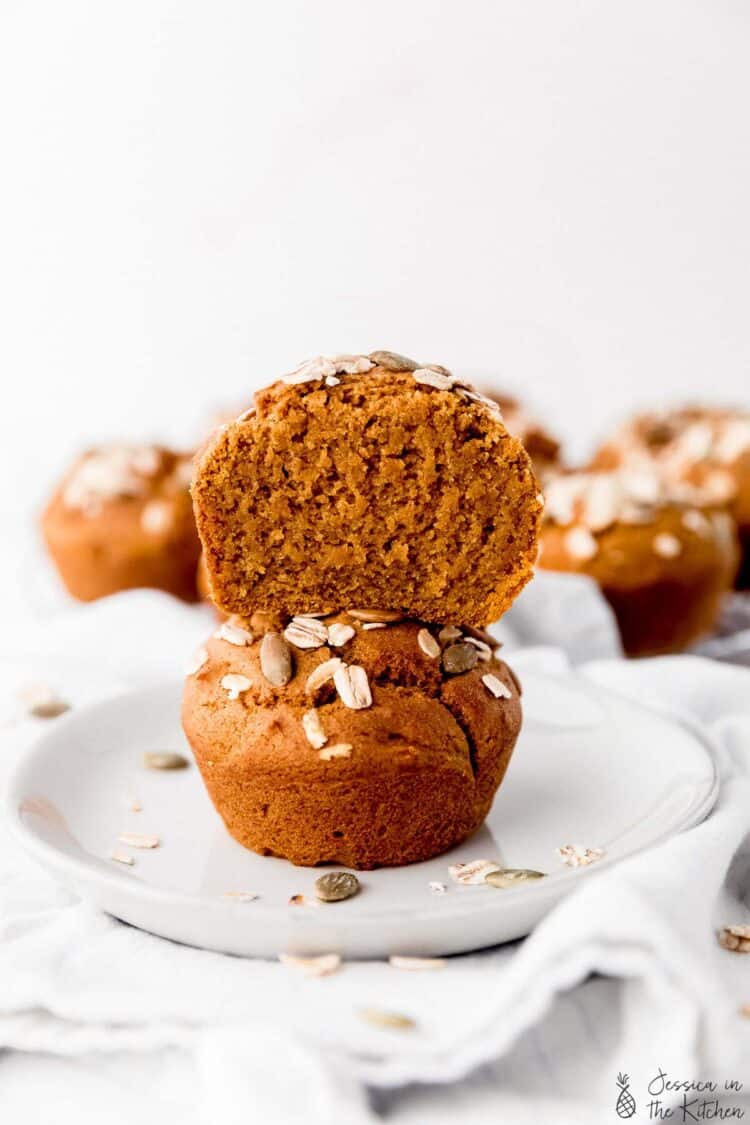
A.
x: 49, y: 709
x: 379, y: 1017
x: 42, y: 702
x: 335, y: 886
x: 376, y: 616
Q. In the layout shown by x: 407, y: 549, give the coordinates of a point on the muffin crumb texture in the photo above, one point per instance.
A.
x: 355, y: 483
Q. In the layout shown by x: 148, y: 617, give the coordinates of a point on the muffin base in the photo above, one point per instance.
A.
x: 423, y: 765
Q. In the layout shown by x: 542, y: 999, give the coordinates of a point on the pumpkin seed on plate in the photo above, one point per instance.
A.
x: 335, y: 886
x: 164, y: 760
x: 513, y: 876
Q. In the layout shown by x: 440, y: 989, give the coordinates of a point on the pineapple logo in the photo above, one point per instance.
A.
x: 625, y: 1101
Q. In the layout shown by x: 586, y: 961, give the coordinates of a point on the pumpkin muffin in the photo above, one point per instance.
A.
x: 702, y: 454
x: 122, y: 518
x: 368, y: 480
x: 662, y: 564
x: 353, y: 739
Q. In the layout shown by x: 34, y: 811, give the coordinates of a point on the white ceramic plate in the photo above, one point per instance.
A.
x: 590, y: 768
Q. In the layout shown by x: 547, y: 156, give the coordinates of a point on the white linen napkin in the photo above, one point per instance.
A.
x: 268, y: 1045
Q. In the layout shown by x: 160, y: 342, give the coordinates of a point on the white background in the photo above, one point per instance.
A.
x: 554, y: 194
x: 197, y: 195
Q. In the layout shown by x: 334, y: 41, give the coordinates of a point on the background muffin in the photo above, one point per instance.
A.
x: 201, y: 584
x: 542, y: 447
x: 122, y: 518
x: 702, y: 454
x: 663, y: 565
x: 384, y: 744
x: 363, y: 480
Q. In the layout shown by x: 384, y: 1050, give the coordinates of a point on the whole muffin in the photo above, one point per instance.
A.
x: 663, y: 565
x: 122, y: 518
x: 368, y: 480
x: 383, y: 744
x: 702, y: 454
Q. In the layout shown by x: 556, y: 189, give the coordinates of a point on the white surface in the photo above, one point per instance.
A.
x: 97, y: 1004
x: 585, y: 771
x: 199, y: 195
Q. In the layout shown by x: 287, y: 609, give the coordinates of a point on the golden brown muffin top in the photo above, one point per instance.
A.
x: 109, y: 474
x: 332, y: 671
x: 695, y: 450
x: 339, y: 739
x: 625, y: 525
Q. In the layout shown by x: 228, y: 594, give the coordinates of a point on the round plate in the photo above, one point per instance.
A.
x: 591, y: 768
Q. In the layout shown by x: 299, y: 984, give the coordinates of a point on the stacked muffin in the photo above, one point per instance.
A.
x: 360, y: 525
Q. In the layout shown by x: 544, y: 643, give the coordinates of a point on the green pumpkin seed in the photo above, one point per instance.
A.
x: 392, y: 361
x: 459, y: 658
x: 513, y: 876
x: 336, y: 886
x: 164, y: 760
